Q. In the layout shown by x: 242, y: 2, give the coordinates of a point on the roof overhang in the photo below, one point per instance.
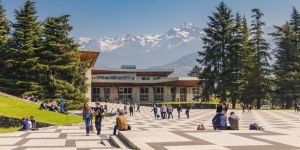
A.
x: 89, y: 56
x: 138, y: 72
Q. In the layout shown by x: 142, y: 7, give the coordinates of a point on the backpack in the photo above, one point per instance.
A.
x: 255, y: 126
x: 201, y: 127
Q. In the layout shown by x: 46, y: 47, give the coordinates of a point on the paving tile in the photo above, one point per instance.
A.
x: 9, y: 141
x: 46, y: 142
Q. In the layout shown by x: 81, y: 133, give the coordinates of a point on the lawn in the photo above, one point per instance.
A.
x: 17, y: 108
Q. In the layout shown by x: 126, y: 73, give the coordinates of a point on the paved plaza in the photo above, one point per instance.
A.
x: 282, y: 132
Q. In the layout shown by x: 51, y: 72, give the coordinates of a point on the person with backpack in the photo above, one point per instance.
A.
x: 179, y: 110
x: 219, y: 121
x: 99, y: 114
x: 170, y: 111
x: 187, y: 111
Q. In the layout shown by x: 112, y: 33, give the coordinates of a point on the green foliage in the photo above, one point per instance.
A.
x: 17, y: 108
x: 287, y: 66
x: 195, y: 72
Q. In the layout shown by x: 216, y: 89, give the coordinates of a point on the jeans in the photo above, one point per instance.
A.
x: 87, y: 124
x: 98, y: 122
x: 62, y: 108
x: 116, y: 128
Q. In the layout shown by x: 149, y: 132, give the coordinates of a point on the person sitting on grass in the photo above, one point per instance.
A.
x: 233, y: 121
x: 220, y: 121
x: 24, y: 124
x: 121, y: 123
x: 43, y: 106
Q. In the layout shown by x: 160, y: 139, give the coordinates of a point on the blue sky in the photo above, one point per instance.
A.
x: 98, y: 18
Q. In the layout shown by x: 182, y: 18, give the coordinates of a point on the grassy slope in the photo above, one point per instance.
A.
x: 17, y: 108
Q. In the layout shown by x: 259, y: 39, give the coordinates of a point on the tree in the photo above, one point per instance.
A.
x: 24, y: 71
x: 287, y: 66
x: 4, y: 31
x: 65, y: 72
x: 195, y: 72
x: 262, y: 70
x: 218, y: 36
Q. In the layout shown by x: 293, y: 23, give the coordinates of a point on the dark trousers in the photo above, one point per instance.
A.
x: 116, y: 128
x: 178, y: 114
x: 131, y: 113
x: 187, y: 114
x: 155, y: 114
x: 170, y: 114
x: 98, y: 122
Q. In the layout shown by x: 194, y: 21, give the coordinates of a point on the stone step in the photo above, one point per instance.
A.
x: 127, y: 141
x: 117, y: 142
x: 106, y: 143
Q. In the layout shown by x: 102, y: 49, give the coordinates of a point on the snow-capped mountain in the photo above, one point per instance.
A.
x: 145, y: 50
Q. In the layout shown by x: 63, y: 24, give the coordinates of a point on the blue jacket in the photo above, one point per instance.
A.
x: 220, y: 119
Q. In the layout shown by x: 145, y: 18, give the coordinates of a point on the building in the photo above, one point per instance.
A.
x: 129, y: 84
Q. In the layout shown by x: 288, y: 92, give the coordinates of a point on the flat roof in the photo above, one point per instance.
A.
x: 139, y: 72
x: 89, y: 55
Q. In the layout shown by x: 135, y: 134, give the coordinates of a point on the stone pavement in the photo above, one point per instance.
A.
x: 282, y: 132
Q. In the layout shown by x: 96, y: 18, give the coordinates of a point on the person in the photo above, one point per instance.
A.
x: 164, y: 109
x: 161, y: 112
x: 33, y: 123
x: 99, y: 113
x: 105, y: 108
x: 121, y: 123
x: 43, y: 106
x: 233, y: 121
x: 87, y: 117
x: 154, y: 109
x: 170, y: 111
x: 225, y: 107
x: 249, y: 108
x: 219, y: 121
x: 131, y: 110
x: 187, y: 111
x: 138, y: 108
x: 62, y: 105
x: 244, y: 107
x: 179, y: 110
x: 24, y: 124
x: 298, y: 108
x: 219, y: 108
x: 125, y: 109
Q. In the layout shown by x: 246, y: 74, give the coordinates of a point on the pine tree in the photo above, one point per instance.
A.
x: 4, y: 31
x: 262, y: 67
x: 24, y: 71
x: 195, y: 72
x: 65, y: 75
x: 287, y: 66
x: 218, y: 36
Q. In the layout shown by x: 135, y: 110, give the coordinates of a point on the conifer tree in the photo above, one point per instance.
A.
x: 287, y: 66
x: 262, y: 67
x: 24, y: 72
x: 215, y: 56
x: 4, y: 31
x: 65, y: 75
x: 195, y: 72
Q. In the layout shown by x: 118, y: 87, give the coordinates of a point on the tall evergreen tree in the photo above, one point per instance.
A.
x: 4, y: 31
x: 195, y: 72
x: 218, y: 36
x: 262, y: 67
x: 287, y: 66
x: 24, y: 71
x: 65, y: 76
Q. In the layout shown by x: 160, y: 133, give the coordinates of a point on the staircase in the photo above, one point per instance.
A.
x: 120, y: 141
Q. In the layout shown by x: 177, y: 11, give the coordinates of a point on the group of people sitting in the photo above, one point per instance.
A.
x: 30, y: 98
x: 219, y: 121
x: 56, y: 106
x: 28, y: 123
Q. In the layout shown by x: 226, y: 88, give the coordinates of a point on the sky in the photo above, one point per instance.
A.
x: 99, y: 18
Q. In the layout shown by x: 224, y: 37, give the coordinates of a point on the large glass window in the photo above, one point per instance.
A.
x: 173, y: 93
x: 183, y: 94
x: 125, y: 94
x: 196, y: 93
x: 107, y: 94
x: 158, y: 93
x: 144, y: 93
x: 95, y: 93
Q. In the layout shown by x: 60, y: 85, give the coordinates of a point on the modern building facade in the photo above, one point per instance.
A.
x: 129, y: 84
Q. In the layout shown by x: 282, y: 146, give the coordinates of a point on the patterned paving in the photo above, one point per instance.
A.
x: 282, y: 132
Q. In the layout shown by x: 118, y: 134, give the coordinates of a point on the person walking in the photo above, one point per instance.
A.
x: 250, y: 108
x: 170, y: 111
x: 179, y: 110
x: 87, y: 117
x: 99, y: 114
x: 138, y: 108
x: 164, y: 109
x: 243, y: 107
x: 131, y: 110
x: 187, y: 111
x: 154, y: 109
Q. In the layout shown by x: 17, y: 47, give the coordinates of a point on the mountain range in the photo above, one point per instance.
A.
x: 148, y: 50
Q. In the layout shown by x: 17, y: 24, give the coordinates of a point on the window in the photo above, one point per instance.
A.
x: 173, y: 94
x: 107, y: 94
x: 144, y: 94
x: 95, y: 93
x: 158, y: 93
x: 156, y: 78
x: 125, y: 94
x: 183, y: 94
x: 196, y: 93
x: 145, y: 78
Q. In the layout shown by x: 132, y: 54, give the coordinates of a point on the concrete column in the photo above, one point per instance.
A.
x: 189, y: 94
x: 101, y: 93
x: 136, y: 94
x: 151, y: 94
x: 88, y: 75
x: 113, y: 93
x: 167, y: 94
x: 177, y: 97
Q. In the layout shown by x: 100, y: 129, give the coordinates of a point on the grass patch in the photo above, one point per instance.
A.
x: 7, y: 130
x: 16, y: 108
